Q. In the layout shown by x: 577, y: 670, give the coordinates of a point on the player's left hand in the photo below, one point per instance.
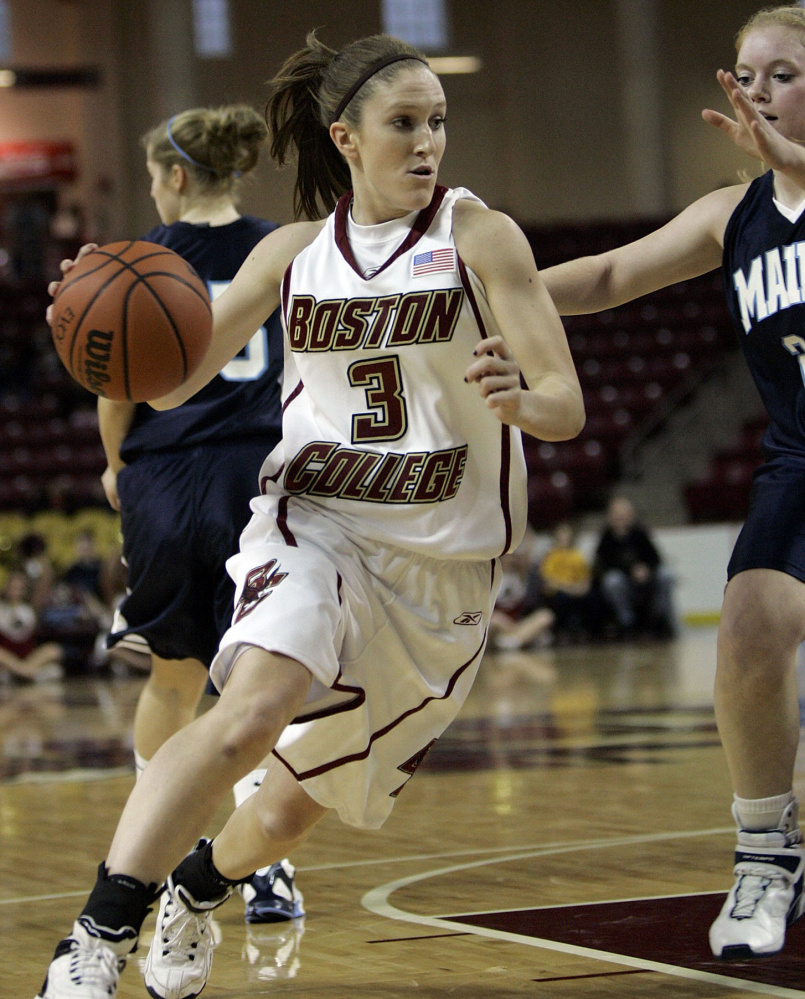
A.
x: 752, y: 132
x: 65, y: 267
x: 497, y: 376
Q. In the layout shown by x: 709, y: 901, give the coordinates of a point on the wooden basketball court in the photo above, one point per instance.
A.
x: 568, y: 837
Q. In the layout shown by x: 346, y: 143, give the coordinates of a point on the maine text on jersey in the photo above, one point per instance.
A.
x: 365, y: 323
x: 776, y: 281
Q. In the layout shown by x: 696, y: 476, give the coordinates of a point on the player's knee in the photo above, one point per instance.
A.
x: 287, y: 827
x: 754, y: 635
x: 254, y: 726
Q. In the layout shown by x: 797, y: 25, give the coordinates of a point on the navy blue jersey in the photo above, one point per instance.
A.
x: 242, y: 403
x: 764, y: 275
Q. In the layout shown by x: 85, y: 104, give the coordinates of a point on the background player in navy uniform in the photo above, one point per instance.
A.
x: 757, y: 233
x: 365, y: 612
x: 183, y: 479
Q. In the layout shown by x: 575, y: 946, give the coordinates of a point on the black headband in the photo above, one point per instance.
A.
x: 370, y: 72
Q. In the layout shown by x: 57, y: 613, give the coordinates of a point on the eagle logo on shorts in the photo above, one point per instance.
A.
x: 410, y: 766
x: 260, y: 583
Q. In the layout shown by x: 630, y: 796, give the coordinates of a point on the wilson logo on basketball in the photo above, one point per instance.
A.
x: 259, y: 584
x: 97, y: 353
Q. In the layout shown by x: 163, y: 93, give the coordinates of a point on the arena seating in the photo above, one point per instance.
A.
x: 635, y: 363
x: 722, y: 492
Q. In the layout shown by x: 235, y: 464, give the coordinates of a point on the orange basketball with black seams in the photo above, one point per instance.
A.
x: 132, y: 321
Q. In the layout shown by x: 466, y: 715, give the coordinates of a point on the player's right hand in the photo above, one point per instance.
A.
x: 65, y: 267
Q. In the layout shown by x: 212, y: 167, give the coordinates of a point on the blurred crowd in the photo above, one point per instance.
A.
x: 621, y: 591
x: 56, y: 607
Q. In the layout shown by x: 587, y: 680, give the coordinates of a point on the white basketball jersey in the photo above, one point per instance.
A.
x: 380, y: 430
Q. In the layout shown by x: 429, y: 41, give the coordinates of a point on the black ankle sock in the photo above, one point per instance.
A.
x: 202, y: 879
x: 117, y: 906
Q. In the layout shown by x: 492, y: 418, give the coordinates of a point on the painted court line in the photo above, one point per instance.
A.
x: 529, y: 850
x: 377, y: 900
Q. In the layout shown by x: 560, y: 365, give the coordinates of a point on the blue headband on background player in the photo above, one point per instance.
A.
x: 188, y: 157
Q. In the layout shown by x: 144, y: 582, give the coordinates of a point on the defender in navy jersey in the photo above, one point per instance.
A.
x: 176, y: 540
x: 183, y: 479
x: 364, y: 595
x: 756, y: 232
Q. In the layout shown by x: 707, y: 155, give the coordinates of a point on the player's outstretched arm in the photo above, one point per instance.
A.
x: 245, y: 305
x: 533, y: 337
x: 751, y: 132
x: 689, y: 245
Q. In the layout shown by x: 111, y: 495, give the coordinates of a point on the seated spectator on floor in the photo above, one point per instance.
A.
x: 85, y: 570
x: 22, y: 655
x: 566, y: 577
x: 74, y: 617
x: 520, y: 618
x: 635, y: 586
x: 34, y: 560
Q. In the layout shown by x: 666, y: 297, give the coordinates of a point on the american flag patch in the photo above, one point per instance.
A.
x: 434, y: 261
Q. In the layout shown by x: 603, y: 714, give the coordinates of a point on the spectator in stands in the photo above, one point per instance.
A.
x: 22, y: 655
x: 566, y: 577
x: 635, y: 585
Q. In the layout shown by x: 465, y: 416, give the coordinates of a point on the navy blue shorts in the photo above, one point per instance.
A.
x: 773, y: 536
x: 182, y: 514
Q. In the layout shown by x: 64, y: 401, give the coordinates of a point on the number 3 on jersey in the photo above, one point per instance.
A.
x: 252, y: 361
x: 381, y: 380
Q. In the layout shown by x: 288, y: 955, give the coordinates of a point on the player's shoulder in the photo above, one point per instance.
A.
x: 474, y: 219
x: 292, y: 239
x: 279, y: 248
x: 722, y: 202
x: 483, y: 233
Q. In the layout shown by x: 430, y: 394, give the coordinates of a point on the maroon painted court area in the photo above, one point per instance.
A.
x: 666, y: 930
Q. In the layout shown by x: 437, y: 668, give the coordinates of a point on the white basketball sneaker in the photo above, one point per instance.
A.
x: 85, y: 966
x: 179, y: 961
x: 767, y: 894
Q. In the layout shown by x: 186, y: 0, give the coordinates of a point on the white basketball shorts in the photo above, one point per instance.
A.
x: 393, y: 641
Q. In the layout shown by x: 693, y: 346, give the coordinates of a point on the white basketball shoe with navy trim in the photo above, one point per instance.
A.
x: 767, y: 895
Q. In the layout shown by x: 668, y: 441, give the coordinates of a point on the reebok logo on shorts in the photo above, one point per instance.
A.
x: 259, y: 584
x: 469, y: 618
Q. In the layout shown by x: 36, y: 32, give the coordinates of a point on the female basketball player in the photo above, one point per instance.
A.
x: 368, y: 573
x: 753, y: 231
x: 183, y: 479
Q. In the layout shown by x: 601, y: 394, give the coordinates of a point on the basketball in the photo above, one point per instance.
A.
x: 131, y: 321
